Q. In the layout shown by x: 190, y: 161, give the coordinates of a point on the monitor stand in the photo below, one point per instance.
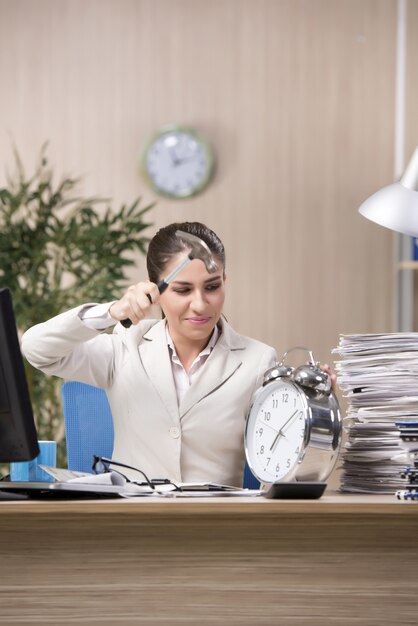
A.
x: 9, y: 495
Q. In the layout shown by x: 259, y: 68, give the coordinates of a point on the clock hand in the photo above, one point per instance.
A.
x: 181, y: 160
x: 174, y: 159
x: 275, y: 442
x: 281, y: 432
x: 289, y: 420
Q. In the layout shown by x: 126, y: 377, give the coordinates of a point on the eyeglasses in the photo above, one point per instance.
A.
x: 101, y: 466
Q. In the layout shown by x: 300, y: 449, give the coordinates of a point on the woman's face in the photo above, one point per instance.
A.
x: 193, y: 301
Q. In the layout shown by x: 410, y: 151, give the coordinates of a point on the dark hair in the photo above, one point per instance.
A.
x: 165, y: 244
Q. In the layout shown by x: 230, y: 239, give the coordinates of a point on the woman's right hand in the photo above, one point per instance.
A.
x: 136, y: 303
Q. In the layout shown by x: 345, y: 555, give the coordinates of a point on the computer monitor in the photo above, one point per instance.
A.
x: 18, y: 435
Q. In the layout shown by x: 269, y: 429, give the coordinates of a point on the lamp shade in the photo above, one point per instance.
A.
x: 396, y: 206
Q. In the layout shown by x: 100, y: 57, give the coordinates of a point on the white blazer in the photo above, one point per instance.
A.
x: 199, y: 440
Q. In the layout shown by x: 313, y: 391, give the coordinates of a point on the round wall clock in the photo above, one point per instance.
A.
x: 178, y: 162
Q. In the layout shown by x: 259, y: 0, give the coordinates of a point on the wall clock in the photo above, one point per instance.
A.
x: 178, y: 162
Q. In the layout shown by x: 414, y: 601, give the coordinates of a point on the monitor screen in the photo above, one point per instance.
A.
x: 18, y: 436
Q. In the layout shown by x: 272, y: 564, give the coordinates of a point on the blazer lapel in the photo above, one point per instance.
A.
x: 224, y: 360
x: 153, y: 352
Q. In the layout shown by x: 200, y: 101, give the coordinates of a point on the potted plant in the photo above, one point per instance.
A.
x: 57, y: 250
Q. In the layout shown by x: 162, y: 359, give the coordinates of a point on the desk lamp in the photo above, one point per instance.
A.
x: 396, y: 206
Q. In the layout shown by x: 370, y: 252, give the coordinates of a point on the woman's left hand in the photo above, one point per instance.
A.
x: 326, y: 368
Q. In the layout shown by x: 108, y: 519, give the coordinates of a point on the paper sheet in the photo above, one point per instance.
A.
x: 62, y: 474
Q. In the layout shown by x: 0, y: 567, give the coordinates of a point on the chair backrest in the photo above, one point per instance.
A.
x: 89, y: 428
x: 250, y: 481
x: 88, y: 425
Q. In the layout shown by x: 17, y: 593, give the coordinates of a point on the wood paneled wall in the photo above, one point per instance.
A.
x: 411, y: 117
x: 297, y: 98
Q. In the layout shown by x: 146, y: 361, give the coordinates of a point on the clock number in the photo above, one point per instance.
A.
x: 275, y: 403
x: 287, y: 463
x: 260, y: 431
x: 277, y: 468
x: 268, y: 459
x: 297, y: 450
x: 285, y: 397
x: 262, y: 450
x: 268, y: 416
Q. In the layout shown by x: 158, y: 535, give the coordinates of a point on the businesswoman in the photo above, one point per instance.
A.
x: 180, y: 387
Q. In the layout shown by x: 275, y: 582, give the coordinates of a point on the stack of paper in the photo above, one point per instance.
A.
x: 378, y: 374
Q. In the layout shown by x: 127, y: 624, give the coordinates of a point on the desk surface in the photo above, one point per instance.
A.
x: 330, y: 503
x: 346, y: 559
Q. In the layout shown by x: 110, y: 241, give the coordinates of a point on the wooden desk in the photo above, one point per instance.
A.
x: 350, y: 560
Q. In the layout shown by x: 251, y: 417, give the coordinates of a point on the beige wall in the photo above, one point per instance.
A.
x: 297, y: 98
x: 411, y: 117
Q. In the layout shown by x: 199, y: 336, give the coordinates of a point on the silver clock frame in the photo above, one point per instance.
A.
x: 323, y: 432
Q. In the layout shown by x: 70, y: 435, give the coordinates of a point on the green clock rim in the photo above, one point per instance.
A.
x: 207, y: 149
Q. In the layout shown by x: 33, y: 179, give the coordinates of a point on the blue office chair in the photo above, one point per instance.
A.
x: 88, y: 425
x: 250, y: 481
x: 89, y: 428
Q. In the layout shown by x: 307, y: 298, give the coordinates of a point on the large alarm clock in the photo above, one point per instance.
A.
x: 178, y: 162
x: 293, y: 429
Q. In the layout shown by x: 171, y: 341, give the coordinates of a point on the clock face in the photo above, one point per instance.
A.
x: 275, y: 432
x: 178, y: 162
